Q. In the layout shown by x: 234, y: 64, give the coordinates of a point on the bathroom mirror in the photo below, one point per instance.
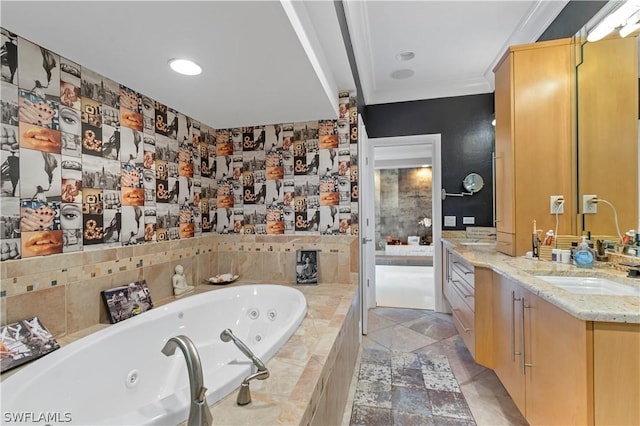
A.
x: 473, y: 182
x: 607, y: 132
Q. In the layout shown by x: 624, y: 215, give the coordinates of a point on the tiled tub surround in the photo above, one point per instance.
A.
x: 623, y: 309
x: 64, y: 289
x: 310, y: 376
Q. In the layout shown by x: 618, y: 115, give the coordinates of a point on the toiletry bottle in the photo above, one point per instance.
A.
x: 584, y: 255
x: 535, y: 241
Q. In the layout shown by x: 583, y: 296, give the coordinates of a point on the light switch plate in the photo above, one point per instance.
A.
x: 449, y: 221
x: 468, y: 220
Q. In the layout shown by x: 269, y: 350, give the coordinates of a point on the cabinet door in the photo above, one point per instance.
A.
x: 557, y: 361
x: 617, y: 373
x: 507, y: 338
x: 504, y: 148
x: 542, y: 148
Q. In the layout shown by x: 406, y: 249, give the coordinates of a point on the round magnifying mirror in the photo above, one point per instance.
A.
x: 473, y: 182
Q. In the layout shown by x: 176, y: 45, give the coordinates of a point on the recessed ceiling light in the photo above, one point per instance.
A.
x: 185, y: 66
x: 405, y: 56
x: 402, y: 74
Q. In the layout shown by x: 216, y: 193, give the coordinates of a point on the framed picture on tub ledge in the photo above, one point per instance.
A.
x: 127, y: 301
x: 24, y: 341
x: 307, y: 267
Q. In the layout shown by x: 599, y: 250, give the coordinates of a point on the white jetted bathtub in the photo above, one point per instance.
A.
x: 119, y: 376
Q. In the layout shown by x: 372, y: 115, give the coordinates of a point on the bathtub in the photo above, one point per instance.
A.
x: 118, y: 376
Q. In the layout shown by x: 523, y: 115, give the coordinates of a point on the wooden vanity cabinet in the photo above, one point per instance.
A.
x: 542, y: 356
x: 533, y: 140
x: 558, y: 369
x: 465, y: 288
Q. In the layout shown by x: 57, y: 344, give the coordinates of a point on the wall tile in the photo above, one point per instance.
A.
x: 158, y: 279
x: 84, y: 303
x: 48, y: 305
x: 3, y: 310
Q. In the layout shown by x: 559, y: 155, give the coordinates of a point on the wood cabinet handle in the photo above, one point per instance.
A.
x: 522, y: 348
x: 513, y: 326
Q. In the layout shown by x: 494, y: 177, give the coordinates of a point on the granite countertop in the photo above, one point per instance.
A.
x: 582, y: 306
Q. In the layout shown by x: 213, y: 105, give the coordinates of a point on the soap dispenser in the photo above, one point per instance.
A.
x: 584, y: 255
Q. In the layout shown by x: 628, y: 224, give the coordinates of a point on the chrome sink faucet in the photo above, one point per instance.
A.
x: 199, y: 413
x: 244, y: 396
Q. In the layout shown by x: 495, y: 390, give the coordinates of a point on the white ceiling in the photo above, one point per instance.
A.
x: 456, y: 43
x: 281, y: 61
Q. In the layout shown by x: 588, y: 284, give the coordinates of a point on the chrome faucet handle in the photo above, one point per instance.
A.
x: 244, y: 396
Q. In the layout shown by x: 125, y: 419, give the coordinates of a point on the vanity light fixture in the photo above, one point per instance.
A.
x: 185, y: 66
x: 624, y: 18
x: 632, y: 26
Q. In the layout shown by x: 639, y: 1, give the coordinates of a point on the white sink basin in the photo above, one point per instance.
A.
x: 591, y: 285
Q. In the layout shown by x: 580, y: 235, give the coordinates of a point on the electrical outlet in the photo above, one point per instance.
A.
x: 557, y: 204
x: 587, y: 206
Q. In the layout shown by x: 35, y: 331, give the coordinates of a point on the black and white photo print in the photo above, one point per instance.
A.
x: 10, y: 177
x: 131, y: 147
x: 9, y: 101
x: 70, y: 73
x: 9, y: 51
x: 39, y: 70
x: 40, y: 175
x: 100, y: 88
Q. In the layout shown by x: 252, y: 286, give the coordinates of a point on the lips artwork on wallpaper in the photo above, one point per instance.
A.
x: 88, y: 163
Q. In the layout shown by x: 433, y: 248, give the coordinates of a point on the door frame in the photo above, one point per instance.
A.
x: 367, y: 211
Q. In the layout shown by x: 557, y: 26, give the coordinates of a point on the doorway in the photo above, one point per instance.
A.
x: 421, y: 149
x: 403, y: 233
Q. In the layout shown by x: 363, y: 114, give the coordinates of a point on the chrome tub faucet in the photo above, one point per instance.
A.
x: 199, y: 413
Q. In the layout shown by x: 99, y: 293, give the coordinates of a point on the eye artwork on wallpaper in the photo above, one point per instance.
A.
x: 114, y: 167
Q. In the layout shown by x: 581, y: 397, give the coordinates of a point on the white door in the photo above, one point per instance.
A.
x: 366, y: 211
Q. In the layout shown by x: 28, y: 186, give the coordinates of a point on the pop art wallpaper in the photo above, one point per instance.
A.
x: 88, y: 163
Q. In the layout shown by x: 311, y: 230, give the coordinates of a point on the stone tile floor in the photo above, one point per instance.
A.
x: 415, y: 370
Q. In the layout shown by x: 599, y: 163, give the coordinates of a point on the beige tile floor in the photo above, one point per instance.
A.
x: 428, y: 332
x: 402, y: 286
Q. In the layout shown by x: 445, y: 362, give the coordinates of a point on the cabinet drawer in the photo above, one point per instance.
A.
x: 463, y: 271
x: 464, y: 291
x: 463, y: 317
x: 459, y: 305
